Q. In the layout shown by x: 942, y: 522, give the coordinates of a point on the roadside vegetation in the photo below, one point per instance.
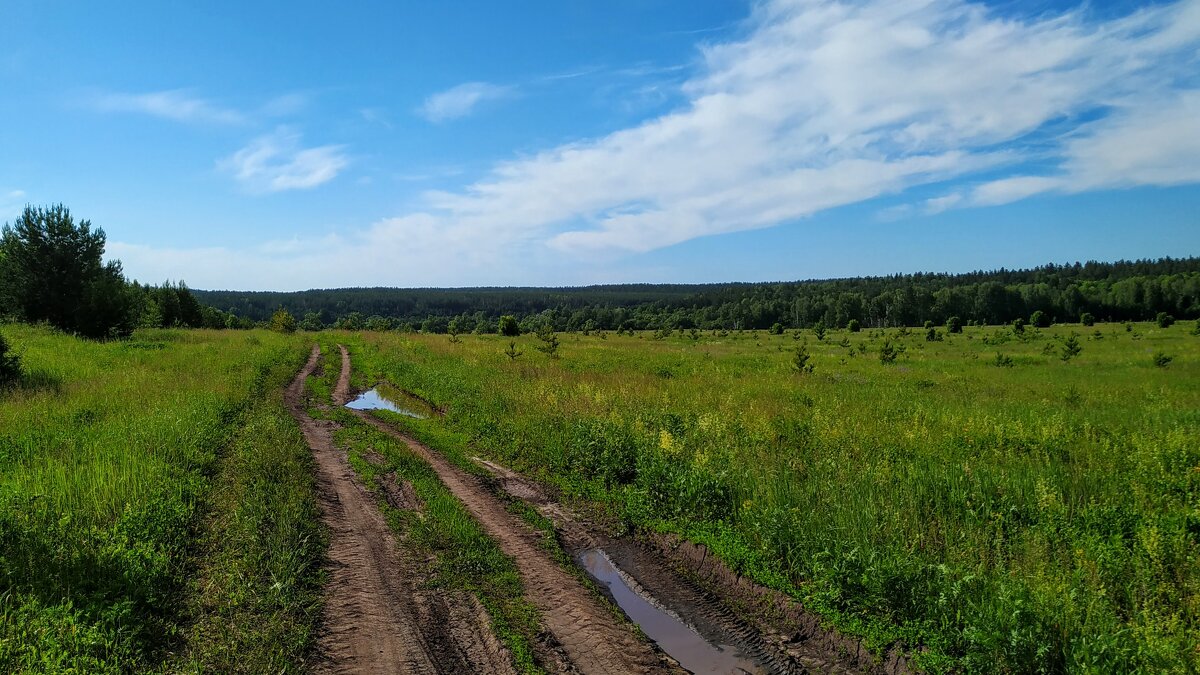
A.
x: 156, y: 508
x: 1040, y: 516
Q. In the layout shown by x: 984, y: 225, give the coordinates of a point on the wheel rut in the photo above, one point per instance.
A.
x: 588, y: 634
x: 377, y: 618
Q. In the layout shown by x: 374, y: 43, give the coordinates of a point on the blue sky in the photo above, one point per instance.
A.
x: 304, y: 145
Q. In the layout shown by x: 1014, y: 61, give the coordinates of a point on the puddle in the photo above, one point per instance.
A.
x: 685, y: 645
x: 373, y: 400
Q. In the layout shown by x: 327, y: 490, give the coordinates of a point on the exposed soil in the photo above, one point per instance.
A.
x: 590, y: 638
x: 700, y: 590
x: 376, y: 618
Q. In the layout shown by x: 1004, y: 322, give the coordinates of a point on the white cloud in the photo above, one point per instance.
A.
x: 820, y: 103
x: 12, y: 203
x: 460, y: 101
x: 277, y: 162
x: 174, y: 104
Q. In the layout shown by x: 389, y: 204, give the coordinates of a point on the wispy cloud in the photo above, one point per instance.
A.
x: 820, y: 103
x: 11, y: 204
x: 277, y: 162
x: 180, y: 105
x: 461, y: 100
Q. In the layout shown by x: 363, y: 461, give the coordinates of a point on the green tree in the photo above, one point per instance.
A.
x: 853, y: 326
x: 282, y: 321
x: 887, y: 352
x: 1070, y: 348
x: 819, y: 330
x: 1039, y: 319
x: 549, y: 341
x: 954, y: 325
x: 509, y: 327
x: 312, y: 322
x: 802, y: 361
x: 10, y: 364
x: 51, y: 270
x: 1018, y: 325
x: 512, y: 352
x: 1164, y: 320
x: 1087, y: 319
x: 776, y: 329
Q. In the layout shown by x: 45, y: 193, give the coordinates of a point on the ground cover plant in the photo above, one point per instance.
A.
x: 146, y: 487
x: 1041, y: 517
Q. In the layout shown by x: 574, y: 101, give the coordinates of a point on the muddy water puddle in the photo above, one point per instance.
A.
x: 676, y: 638
x: 395, y: 401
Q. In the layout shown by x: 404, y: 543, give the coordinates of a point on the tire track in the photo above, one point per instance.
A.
x: 375, y: 618
x: 593, y: 639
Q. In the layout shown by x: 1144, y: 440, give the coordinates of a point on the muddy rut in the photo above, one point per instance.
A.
x: 588, y: 634
x: 377, y: 618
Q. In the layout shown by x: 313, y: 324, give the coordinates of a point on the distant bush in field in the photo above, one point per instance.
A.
x: 1070, y: 348
x: 954, y: 325
x: 1164, y: 320
x: 1002, y: 361
x: 819, y: 330
x: 1018, y: 326
x: 1039, y: 319
x: 1087, y: 319
x: 802, y: 361
x: 1161, y: 359
x: 282, y: 321
x: 853, y: 326
x: 1196, y: 330
x: 933, y: 335
x: 311, y: 322
x: 512, y: 352
x: 549, y: 340
x: 508, y: 326
x: 887, y: 352
x: 776, y: 328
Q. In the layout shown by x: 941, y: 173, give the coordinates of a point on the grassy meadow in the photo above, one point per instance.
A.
x: 156, y: 505
x: 981, y: 498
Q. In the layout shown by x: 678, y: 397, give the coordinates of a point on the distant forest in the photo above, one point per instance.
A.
x: 1117, y: 291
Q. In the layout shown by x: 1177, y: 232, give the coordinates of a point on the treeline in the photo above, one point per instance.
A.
x: 52, y: 271
x: 1109, y: 291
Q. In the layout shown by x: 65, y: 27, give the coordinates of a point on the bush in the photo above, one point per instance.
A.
x: 282, y: 321
x: 549, y: 345
x: 1071, y: 348
x: 1162, y: 360
x: 1002, y: 361
x: 887, y: 352
x: 1164, y: 320
x: 508, y: 326
x: 819, y: 330
x: 10, y: 364
x: 853, y: 326
x: 932, y: 334
x: 1018, y: 326
x: 954, y: 325
x: 928, y: 324
x: 1087, y: 319
x: 801, y: 362
x: 512, y: 352
x: 1039, y: 319
x: 776, y: 328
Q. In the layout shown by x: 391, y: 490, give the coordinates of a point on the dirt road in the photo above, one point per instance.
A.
x: 590, y: 636
x: 376, y: 618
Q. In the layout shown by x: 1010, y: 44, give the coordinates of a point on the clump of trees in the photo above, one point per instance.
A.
x: 52, y: 271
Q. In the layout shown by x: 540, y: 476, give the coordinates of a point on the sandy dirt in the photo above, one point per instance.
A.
x: 589, y: 636
x: 377, y: 618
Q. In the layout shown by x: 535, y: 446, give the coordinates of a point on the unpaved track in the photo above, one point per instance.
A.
x: 376, y: 618
x: 591, y: 637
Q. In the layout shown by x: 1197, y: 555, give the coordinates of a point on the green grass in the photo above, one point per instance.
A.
x: 130, y: 470
x: 466, y: 558
x: 1038, y: 517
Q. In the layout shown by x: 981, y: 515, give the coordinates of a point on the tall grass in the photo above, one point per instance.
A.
x: 1043, y: 517
x: 104, y: 474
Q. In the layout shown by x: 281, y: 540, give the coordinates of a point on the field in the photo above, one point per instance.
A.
x: 991, y: 500
x: 981, y: 497
x: 148, y: 489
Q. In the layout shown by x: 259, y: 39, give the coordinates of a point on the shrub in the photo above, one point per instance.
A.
x: 1002, y: 361
x: 549, y: 340
x: 282, y: 321
x: 927, y: 325
x: 512, y: 352
x: 853, y: 326
x: 1070, y: 348
x: 1161, y: 359
x: 801, y: 362
x: 1164, y: 320
x: 10, y: 364
x: 819, y: 330
x: 887, y: 352
x: 954, y: 325
x: 1087, y: 319
x: 1018, y: 326
x: 508, y: 326
x: 1039, y: 319
x: 932, y: 334
x: 776, y: 328
x: 1196, y: 330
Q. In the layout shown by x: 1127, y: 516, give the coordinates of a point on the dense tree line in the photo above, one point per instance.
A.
x: 52, y: 271
x: 1111, y: 291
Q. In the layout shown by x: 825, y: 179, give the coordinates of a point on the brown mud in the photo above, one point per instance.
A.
x: 377, y: 618
x: 702, y: 592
